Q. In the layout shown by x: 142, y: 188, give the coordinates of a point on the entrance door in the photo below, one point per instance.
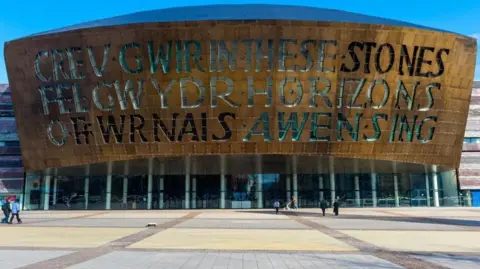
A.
x: 137, y: 192
x: 242, y: 192
x: 174, y: 192
x: 207, y: 193
x: 273, y: 189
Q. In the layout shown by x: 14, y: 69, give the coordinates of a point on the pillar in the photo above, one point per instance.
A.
x: 125, y: 186
x: 295, y: 180
x: 87, y: 185
x: 332, y: 181
x: 374, y: 189
x: 161, y: 184
x: 194, y: 192
x: 187, y: 191
x: 150, y: 183
x: 108, y: 198
x: 149, y: 189
x: 54, y: 198
x: 468, y: 198
x: 259, y: 190
x: 28, y: 189
x: 395, y: 186
x: 332, y: 188
x: 289, y: 193
x: 357, y: 190
x: 295, y: 186
x: 223, y: 189
x: 436, y: 200
x: 427, y: 187
x: 223, y: 181
x: 125, y: 191
x: 320, y: 187
x: 46, y: 193
x: 187, y: 182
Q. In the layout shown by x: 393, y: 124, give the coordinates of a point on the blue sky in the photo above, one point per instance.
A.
x: 19, y: 19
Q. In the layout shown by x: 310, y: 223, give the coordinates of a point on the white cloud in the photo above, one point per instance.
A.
x: 477, y: 68
x: 477, y: 36
x: 477, y: 73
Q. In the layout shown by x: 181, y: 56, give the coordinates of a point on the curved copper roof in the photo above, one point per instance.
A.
x: 238, y: 12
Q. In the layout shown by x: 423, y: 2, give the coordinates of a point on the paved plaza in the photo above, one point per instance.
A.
x: 358, y: 238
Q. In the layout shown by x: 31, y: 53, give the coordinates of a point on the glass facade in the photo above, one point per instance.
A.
x: 242, y: 191
x: 11, y: 167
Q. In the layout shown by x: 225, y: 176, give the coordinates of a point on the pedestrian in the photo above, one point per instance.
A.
x: 336, y: 206
x: 6, y: 210
x: 323, y: 206
x: 294, y: 203
x: 276, y: 205
x: 15, y: 211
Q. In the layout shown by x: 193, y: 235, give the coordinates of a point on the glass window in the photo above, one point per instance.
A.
x: 11, y: 185
x: 307, y: 188
x: 471, y: 140
x: 97, y: 193
x: 174, y: 191
x: 418, y: 192
x: 365, y: 184
x: 207, y: 193
x: 273, y: 188
x: 34, y: 192
x: 137, y: 192
x: 67, y: 192
x: 117, y: 194
x: 385, y: 190
x: 345, y: 186
x: 448, y: 189
x: 241, y: 191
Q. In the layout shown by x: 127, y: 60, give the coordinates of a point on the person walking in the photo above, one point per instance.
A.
x: 276, y: 205
x: 294, y: 203
x: 6, y: 210
x: 336, y: 206
x: 15, y: 211
x: 323, y: 206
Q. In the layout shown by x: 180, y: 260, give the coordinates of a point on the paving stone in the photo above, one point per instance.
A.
x: 241, y: 224
x: 249, y: 215
x: 18, y: 258
x: 242, y: 239
x: 55, y: 237
x: 141, y: 214
x: 453, y: 261
x: 435, y: 241
x: 94, y: 222
x: 209, y: 260
x: 245, y: 239
x: 376, y: 224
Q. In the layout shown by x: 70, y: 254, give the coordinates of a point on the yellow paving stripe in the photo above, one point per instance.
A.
x: 58, y: 237
x: 241, y: 239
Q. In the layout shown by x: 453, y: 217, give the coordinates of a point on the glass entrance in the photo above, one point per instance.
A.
x: 241, y: 191
x: 137, y: 192
x: 174, y: 192
x: 207, y: 193
x: 273, y: 188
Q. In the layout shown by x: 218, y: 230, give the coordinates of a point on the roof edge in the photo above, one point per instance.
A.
x: 139, y: 17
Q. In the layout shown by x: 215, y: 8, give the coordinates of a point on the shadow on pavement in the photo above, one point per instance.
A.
x: 427, y: 220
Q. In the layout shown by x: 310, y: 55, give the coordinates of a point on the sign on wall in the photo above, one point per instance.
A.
x: 358, y: 91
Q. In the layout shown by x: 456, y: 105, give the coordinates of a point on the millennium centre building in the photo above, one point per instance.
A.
x: 236, y: 106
